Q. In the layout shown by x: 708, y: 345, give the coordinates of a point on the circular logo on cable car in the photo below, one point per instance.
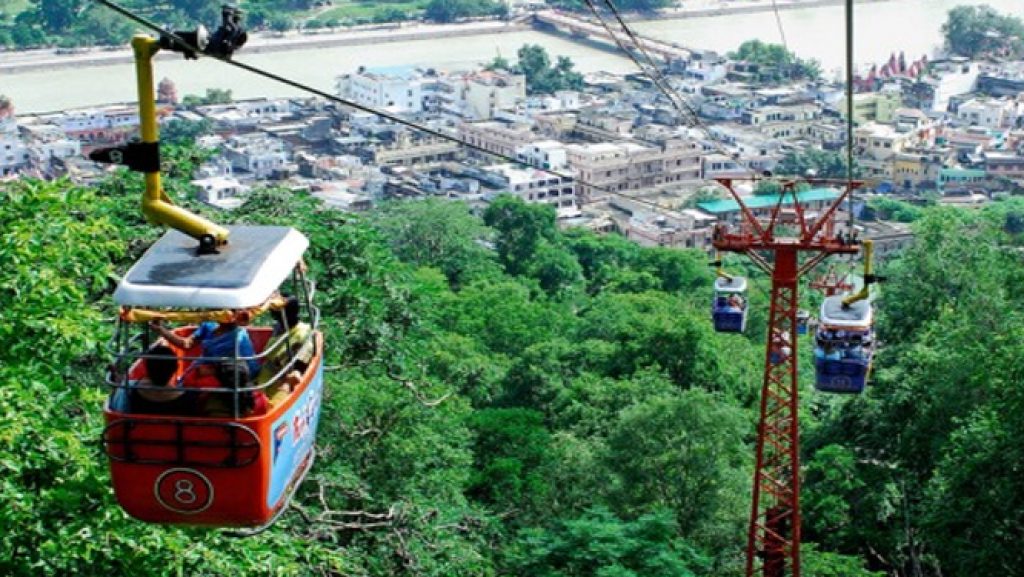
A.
x: 182, y: 490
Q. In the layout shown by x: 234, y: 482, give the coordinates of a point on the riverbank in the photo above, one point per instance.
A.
x: 726, y: 7
x: 265, y: 42
x: 16, y: 62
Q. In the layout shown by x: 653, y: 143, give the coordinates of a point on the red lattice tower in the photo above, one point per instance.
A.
x: 831, y: 283
x: 773, y: 541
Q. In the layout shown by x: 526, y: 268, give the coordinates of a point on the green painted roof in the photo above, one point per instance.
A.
x: 724, y: 206
x: 962, y: 173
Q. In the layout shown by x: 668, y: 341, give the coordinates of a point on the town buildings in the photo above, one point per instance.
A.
x: 617, y: 149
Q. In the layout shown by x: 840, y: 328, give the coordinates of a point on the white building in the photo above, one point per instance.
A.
x: 43, y: 152
x: 408, y: 90
x: 988, y: 112
x: 721, y: 166
x: 13, y: 154
x: 548, y: 154
x: 255, y: 153
x: 956, y: 76
x: 534, y: 185
x: 396, y: 88
x: 98, y: 119
x: 248, y: 113
x: 676, y: 228
x: 221, y: 191
x: 481, y: 94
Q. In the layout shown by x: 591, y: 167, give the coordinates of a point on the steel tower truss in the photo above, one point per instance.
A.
x: 775, y: 244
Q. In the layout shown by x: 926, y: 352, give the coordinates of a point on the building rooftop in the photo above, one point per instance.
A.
x: 753, y: 202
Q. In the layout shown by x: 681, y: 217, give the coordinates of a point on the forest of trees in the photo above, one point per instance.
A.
x: 978, y: 31
x: 513, y: 399
x: 776, y: 63
x: 542, y: 77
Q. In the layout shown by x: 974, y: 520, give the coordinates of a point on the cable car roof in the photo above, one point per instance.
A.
x: 736, y: 284
x: 244, y: 273
x: 857, y: 315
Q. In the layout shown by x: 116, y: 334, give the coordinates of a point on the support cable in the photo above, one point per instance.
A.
x: 380, y: 113
x: 651, y: 69
x: 678, y: 100
x: 778, y: 21
x: 849, y: 107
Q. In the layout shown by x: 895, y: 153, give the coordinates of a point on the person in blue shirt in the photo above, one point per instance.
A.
x: 217, y: 341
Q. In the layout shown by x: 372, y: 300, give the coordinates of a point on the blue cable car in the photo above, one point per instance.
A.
x: 844, y: 346
x: 729, y: 307
x: 803, y: 320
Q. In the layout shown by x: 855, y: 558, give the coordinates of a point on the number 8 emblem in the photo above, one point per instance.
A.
x: 182, y: 490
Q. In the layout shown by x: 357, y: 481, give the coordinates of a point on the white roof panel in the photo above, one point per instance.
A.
x: 244, y: 273
x: 736, y: 284
x: 857, y: 315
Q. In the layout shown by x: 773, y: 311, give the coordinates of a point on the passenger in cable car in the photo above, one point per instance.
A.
x: 161, y: 365
x: 736, y: 303
x: 291, y: 347
x: 219, y: 367
x: 217, y: 341
x: 292, y: 342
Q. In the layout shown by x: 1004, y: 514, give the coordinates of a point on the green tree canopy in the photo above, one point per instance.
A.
x: 776, y: 62
x: 979, y: 30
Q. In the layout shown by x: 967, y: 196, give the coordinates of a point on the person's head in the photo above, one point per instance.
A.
x: 161, y: 364
x: 288, y: 315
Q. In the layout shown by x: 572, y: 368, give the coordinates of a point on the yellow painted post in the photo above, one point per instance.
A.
x: 156, y: 205
x: 865, y: 291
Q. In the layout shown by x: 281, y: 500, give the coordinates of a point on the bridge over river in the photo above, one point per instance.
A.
x: 578, y: 26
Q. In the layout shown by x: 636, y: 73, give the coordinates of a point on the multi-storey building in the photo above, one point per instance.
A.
x: 988, y: 112
x: 1004, y: 164
x: 408, y: 151
x: 396, y: 88
x: 872, y: 106
x: 534, y: 185
x: 13, y: 153
x: 498, y: 137
x: 877, y: 146
x: 613, y: 166
x: 549, y: 154
x: 406, y: 89
x: 256, y: 154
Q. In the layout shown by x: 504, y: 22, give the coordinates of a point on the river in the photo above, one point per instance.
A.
x: 881, y: 28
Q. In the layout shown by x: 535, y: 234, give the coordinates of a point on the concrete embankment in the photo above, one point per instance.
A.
x: 728, y: 8
x: 40, y: 60
x: 44, y: 60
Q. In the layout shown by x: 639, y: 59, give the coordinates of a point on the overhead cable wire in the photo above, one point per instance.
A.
x: 849, y: 107
x: 380, y: 113
x: 651, y: 70
x: 695, y: 117
x: 778, y: 21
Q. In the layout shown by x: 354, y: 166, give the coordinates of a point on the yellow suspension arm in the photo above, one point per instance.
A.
x: 865, y: 290
x: 156, y: 206
x: 720, y: 270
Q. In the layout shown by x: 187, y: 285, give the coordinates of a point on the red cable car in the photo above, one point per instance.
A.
x: 216, y: 436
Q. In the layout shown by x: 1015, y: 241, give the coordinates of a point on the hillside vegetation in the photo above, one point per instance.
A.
x: 505, y: 398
